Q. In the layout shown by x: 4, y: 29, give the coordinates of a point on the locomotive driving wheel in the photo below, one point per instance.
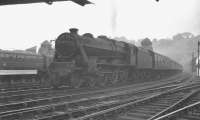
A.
x: 114, y: 78
x: 106, y: 80
x: 125, y: 76
x: 119, y: 77
x: 76, y: 81
x: 103, y: 82
x: 91, y: 82
x: 100, y: 81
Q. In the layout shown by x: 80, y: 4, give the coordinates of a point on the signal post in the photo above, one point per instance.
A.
x: 198, y: 59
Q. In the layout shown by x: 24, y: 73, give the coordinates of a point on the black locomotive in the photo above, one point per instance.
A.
x: 82, y: 60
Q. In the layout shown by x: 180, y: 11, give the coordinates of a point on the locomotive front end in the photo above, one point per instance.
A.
x: 65, y: 46
x: 63, y: 64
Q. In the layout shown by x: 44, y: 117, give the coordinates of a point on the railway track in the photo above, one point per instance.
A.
x: 77, y: 108
x: 148, y: 108
x: 38, y: 90
x: 187, y: 109
x: 190, y: 112
x: 10, y: 106
x: 47, y: 95
x: 19, y: 88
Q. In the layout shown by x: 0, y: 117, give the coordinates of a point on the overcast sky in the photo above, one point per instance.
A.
x: 23, y: 26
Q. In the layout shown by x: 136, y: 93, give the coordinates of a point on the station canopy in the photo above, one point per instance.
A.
x: 13, y: 2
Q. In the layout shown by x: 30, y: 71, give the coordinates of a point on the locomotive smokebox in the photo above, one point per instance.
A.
x: 73, y: 31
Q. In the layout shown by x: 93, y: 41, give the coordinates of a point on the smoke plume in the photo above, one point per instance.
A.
x: 113, y: 16
x: 180, y: 48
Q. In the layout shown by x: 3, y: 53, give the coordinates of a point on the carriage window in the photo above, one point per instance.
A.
x: 32, y: 57
x: 1, y: 55
x: 20, y: 56
x: 26, y: 57
x: 11, y: 56
x: 7, y: 55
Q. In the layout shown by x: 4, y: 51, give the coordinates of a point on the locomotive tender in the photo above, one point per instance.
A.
x: 82, y: 60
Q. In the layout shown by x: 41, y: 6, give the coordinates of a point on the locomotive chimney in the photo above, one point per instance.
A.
x: 147, y: 44
x: 73, y: 31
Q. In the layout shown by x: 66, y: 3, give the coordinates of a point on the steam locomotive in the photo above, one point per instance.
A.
x: 82, y: 60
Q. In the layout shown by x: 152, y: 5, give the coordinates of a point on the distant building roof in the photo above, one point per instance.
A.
x: 146, y: 42
x: 46, y: 49
x: 32, y: 49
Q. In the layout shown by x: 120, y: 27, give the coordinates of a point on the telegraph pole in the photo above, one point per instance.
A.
x: 198, y: 59
x: 192, y: 64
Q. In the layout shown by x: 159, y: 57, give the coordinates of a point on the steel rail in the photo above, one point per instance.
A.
x: 82, y: 101
x: 41, y: 93
x: 5, y: 92
x: 183, y: 113
x: 125, y: 107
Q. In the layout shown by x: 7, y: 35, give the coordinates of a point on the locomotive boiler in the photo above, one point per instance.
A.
x: 82, y: 60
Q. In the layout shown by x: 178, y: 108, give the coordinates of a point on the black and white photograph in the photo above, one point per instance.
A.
x: 100, y: 60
